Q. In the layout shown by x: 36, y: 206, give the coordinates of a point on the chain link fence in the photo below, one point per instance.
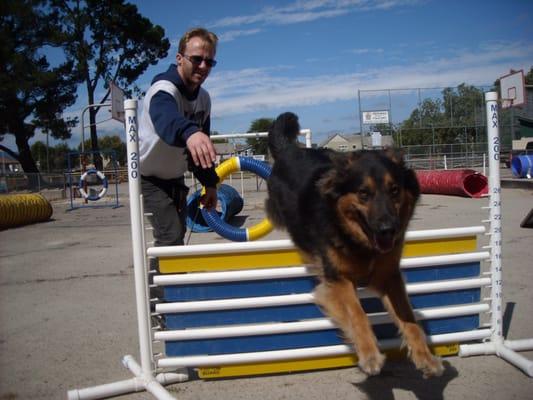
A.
x: 20, y: 182
x: 422, y: 116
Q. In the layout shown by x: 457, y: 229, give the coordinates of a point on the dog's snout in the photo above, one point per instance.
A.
x: 386, y: 228
x: 385, y: 234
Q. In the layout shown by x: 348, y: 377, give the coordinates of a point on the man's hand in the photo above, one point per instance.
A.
x: 209, y: 199
x: 201, y: 149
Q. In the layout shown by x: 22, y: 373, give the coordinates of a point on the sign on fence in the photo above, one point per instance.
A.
x: 376, y: 117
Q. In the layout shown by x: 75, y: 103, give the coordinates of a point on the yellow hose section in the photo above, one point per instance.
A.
x: 227, y: 167
x: 259, y: 230
x: 22, y: 209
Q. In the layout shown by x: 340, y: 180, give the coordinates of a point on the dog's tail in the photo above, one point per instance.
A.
x: 283, y: 133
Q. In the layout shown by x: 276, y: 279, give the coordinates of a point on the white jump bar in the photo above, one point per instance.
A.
x: 309, y: 325
x: 294, y: 272
x: 305, y: 298
x: 273, y: 245
x: 296, y: 354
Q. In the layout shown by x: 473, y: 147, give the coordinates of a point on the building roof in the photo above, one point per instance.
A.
x: 6, y: 158
x: 352, y: 138
x: 224, y: 148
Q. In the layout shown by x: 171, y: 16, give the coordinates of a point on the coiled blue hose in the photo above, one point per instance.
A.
x: 231, y: 203
x: 226, y: 230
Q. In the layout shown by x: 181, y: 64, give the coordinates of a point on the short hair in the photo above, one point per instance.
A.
x: 202, y: 33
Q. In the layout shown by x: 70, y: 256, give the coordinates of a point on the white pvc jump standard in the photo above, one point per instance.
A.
x: 144, y: 377
x: 497, y: 345
x: 145, y: 374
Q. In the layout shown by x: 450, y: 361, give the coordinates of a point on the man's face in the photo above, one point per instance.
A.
x: 192, y: 72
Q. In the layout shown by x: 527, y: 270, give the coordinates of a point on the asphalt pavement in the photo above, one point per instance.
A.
x: 67, y: 310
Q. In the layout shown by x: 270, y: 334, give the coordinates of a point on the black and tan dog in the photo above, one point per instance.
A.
x: 348, y: 213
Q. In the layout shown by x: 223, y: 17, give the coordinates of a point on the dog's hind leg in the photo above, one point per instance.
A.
x: 340, y: 302
x: 397, y: 303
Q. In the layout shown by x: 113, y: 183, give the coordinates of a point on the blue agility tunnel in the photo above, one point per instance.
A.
x: 522, y: 166
x: 230, y: 202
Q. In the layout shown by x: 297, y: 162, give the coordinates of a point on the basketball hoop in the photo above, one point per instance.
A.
x: 117, y: 102
x: 512, y: 89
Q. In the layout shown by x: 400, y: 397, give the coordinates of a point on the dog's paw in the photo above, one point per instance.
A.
x: 430, y: 366
x: 372, y: 364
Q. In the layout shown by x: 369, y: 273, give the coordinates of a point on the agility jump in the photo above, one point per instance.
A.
x: 90, y: 196
x: 217, y: 297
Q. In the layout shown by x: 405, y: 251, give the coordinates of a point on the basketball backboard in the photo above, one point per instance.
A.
x: 512, y: 89
x: 117, y: 102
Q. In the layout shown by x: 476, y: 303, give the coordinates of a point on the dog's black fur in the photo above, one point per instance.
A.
x: 347, y: 212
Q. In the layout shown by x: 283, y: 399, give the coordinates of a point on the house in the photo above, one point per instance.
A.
x: 227, y: 150
x: 525, y: 127
x: 523, y: 122
x: 340, y: 142
x: 8, y: 164
x: 354, y: 142
x: 524, y: 116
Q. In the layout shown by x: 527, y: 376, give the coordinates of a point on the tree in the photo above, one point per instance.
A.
x: 115, y: 144
x: 529, y: 77
x: 54, y: 159
x: 463, y: 107
x: 419, y: 128
x: 110, y: 42
x: 259, y: 145
x: 33, y: 95
x: 59, y: 157
x: 454, y: 118
x: 110, y: 144
x: 41, y: 154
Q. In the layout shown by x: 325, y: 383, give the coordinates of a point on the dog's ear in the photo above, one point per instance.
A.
x: 395, y: 154
x: 410, y: 180
x: 327, y: 184
x: 331, y: 183
x: 411, y: 183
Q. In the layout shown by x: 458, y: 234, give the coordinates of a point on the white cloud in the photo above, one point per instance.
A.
x: 306, y: 11
x: 232, y: 35
x: 238, y: 92
x: 365, y: 51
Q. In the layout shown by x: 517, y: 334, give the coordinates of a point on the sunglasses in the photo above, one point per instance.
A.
x: 197, y: 60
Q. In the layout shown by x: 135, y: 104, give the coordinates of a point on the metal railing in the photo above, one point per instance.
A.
x: 20, y: 182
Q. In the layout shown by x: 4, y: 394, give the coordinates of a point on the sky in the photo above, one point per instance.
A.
x: 324, y: 59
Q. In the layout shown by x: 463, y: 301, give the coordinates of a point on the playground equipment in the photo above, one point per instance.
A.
x: 91, y: 197
x: 83, y: 180
x: 23, y: 209
x: 237, y: 284
x: 459, y: 182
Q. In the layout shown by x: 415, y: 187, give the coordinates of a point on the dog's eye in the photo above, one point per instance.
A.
x: 363, y: 194
x: 395, y: 190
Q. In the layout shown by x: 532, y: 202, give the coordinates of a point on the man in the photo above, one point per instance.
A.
x: 174, y: 133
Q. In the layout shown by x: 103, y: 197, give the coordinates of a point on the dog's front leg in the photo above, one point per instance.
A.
x: 340, y: 302
x: 397, y: 303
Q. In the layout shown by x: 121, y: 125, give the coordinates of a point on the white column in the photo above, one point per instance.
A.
x: 495, y: 230
x: 141, y: 285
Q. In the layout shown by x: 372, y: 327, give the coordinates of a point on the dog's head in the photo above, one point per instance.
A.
x: 373, y: 195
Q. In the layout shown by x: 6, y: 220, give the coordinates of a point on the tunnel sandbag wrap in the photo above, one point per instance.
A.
x: 456, y: 182
x: 522, y: 166
x: 231, y: 203
x: 23, y: 209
